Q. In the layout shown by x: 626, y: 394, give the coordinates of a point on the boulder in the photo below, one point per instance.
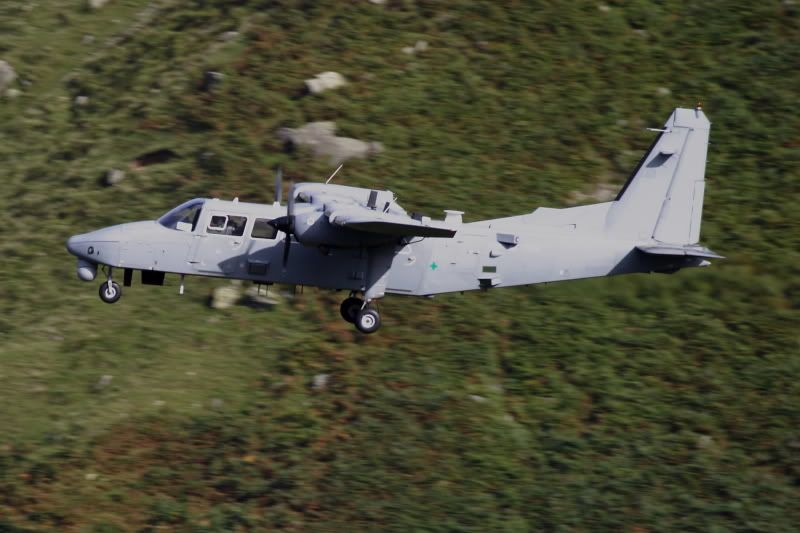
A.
x: 212, y: 79
x: 7, y: 76
x: 96, y: 4
x: 225, y: 297
x: 418, y: 48
x: 114, y: 176
x: 255, y: 297
x: 321, y: 138
x: 325, y: 81
x: 320, y: 382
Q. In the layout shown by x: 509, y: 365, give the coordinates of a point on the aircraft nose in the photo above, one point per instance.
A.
x: 72, y: 245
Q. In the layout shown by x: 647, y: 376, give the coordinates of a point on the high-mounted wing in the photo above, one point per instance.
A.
x: 688, y: 250
x: 371, y: 221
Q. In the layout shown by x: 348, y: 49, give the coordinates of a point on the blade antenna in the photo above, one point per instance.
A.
x: 278, y: 184
x: 334, y: 173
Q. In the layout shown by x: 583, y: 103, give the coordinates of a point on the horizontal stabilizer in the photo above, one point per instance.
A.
x: 688, y: 251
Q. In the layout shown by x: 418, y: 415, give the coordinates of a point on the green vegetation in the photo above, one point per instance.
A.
x: 644, y: 403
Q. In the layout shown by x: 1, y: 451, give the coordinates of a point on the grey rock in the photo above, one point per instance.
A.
x: 13, y: 93
x: 705, y: 441
x: 104, y: 381
x: 320, y: 381
x: 378, y: 2
x: 321, y: 139
x: 88, y: 39
x: 603, y: 192
x: 663, y: 91
x: 225, y: 297
x: 476, y: 398
x: 114, y: 176
x: 259, y: 298
x: 96, y: 4
x: 212, y: 79
x: 418, y: 48
x: 325, y: 81
x: 7, y: 76
x: 81, y: 101
x: 216, y: 403
x: 229, y: 36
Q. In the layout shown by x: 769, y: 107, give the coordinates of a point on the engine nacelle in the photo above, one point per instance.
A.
x: 313, y: 229
x: 86, y: 271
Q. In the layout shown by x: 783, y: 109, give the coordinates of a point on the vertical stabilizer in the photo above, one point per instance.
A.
x: 663, y: 198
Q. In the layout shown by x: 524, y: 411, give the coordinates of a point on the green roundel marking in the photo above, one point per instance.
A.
x: 434, y: 266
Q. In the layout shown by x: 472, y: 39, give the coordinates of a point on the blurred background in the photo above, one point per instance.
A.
x: 641, y: 403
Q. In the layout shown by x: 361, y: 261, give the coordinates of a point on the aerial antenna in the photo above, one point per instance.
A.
x: 334, y: 173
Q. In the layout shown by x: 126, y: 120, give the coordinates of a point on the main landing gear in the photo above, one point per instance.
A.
x: 365, y: 317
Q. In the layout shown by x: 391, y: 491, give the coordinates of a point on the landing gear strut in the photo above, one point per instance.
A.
x: 366, y: 318
x: 110, y: 291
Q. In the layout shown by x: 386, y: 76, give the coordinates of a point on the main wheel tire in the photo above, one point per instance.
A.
x: 350, y: 308
x: 110, y: 294
x: 368, y: 320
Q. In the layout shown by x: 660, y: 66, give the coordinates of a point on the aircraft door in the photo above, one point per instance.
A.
x: 218, y: 245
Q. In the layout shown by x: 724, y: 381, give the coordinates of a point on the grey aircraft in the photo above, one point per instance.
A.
x: 360, y: 240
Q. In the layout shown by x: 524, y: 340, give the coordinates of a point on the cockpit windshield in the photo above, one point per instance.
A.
x: 184, y: 217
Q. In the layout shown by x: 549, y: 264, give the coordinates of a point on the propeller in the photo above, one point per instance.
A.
x: 286, y: 225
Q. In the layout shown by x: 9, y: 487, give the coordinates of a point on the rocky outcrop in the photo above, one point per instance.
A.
x: 324, y: 82
x: 7, y: 76
x: 321, y: 139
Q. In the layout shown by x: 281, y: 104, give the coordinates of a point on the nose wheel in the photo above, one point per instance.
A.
x: 365, y: 318
x: 110, y: 291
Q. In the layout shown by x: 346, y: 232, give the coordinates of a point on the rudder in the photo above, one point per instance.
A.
x: 663, y: 198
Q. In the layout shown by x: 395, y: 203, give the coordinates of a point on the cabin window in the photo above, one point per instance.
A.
x: 227, y: 225
x: 262, y: 229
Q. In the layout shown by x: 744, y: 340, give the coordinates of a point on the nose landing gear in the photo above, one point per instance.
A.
x: 366, y: 318
x: 110, y: 291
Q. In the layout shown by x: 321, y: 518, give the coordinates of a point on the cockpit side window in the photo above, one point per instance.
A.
x: 184, y: 217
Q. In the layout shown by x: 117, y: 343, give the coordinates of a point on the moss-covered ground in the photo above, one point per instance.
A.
x: 641, y: 403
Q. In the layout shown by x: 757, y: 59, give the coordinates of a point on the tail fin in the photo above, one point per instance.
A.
x: 663, y: 198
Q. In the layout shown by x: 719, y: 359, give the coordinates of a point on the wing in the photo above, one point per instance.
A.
x: 685, y: 250
x: 371, y: 221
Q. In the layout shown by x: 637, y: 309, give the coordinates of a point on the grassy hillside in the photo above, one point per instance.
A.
x: 642, y: 403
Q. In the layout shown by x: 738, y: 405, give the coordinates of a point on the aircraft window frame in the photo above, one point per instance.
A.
x: 217, y: 229
x: 261, y: 224
x: 233, y: 226
x: 174, y: 216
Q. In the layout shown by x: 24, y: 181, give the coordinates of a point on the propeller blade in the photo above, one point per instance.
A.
x: 290, y: 203
x: 287, y: 242
x: 278, y: 184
